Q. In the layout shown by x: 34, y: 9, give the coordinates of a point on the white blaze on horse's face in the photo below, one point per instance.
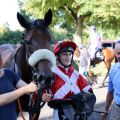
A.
x: 66, y: 58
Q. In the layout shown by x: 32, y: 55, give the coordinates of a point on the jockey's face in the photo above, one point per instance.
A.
x: 118, y: 55
x: 66, y: 58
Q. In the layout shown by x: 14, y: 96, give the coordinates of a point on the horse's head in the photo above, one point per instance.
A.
x: 35, y: 60
x: 37, y: 37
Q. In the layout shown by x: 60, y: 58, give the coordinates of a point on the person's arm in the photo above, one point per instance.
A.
x: 109, y: 99
x: 20, y: 83
x: 11, y: 96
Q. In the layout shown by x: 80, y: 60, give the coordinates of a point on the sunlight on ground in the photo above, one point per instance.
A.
x: 100, y: 69
x: 45, y: 114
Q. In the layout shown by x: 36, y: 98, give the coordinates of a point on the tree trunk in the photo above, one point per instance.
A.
x: 78, y: 32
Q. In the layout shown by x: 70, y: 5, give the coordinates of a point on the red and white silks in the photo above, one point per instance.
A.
x: 71, y: 83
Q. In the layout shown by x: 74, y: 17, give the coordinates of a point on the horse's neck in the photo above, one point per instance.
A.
x: 24, y: 69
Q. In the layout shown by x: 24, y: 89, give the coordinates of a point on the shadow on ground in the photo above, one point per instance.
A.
x: 96, y: 115
x: 49, y: 118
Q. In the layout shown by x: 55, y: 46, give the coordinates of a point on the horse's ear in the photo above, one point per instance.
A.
x: 48, y: 17
x: 22, y: 21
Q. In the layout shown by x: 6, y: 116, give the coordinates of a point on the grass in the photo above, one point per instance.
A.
x: 99, y: 69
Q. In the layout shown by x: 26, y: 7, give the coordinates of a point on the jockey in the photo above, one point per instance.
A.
x: 95, y: 47
x: 67, y: 81
x: 95, y: 42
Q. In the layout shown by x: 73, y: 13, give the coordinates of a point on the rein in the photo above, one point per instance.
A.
x: 35, y: 98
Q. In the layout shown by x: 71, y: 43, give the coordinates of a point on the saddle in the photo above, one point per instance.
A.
x: 99, y: 55
x: 98, y: 58
x: 78, y: 106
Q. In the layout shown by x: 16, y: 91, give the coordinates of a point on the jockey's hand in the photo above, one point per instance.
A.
x: 104, y: 116
x: 46, y: 97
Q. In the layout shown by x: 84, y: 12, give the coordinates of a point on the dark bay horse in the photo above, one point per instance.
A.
x: 35, y: 47
x: 108, y: 54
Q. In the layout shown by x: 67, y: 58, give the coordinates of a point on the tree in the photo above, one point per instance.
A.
x: 8, y: 36
x: 78, y: 13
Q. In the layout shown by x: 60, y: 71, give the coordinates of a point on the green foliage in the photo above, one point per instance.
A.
x: 105, y: 14
x: 59, y: 34
x: 8, y: 36
x: 75, y: 65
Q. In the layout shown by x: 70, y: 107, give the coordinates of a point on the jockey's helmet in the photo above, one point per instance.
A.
x: 64, y: 46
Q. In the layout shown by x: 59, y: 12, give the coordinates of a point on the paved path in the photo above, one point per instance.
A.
x: 100, y: 103
x: 46, y: 113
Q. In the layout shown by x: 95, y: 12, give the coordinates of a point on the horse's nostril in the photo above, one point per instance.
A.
x: 41, y: 77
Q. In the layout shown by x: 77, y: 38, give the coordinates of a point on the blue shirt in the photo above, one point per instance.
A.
x: 7, y: 84
x: 114, y: 82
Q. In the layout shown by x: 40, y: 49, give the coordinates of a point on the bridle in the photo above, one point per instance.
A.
x: 35, y: 100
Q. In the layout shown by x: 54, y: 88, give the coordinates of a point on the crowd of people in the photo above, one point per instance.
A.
x: 67, y: 81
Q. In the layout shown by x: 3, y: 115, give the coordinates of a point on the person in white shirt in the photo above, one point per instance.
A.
x: 95, y: 41
x: 95, y: 45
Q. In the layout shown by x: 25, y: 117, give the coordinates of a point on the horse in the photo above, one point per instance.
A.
x: 33, y: 60
x: 7, y: 52
x: 108, y: 54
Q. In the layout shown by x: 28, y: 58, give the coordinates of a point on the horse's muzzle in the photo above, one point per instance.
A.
x: 44, y: 81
